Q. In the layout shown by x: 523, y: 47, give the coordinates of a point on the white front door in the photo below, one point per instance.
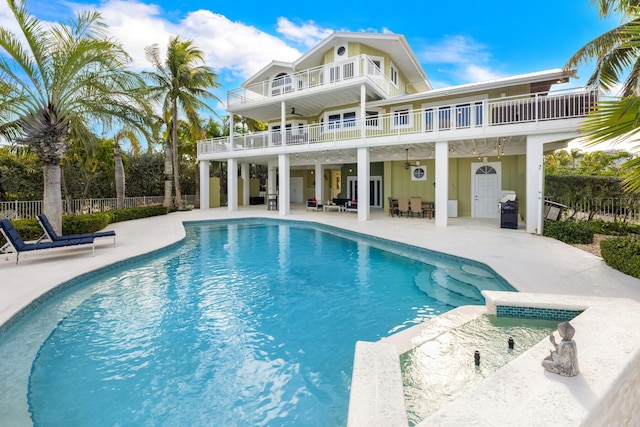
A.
x: 296, y: 190
x: 485, y: 190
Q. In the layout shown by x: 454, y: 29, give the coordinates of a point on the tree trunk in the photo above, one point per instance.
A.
x: 119, y: 177
x: 176, y: 171
x: 65, y: 192
x: 52, y: 198
x: 168, y: 176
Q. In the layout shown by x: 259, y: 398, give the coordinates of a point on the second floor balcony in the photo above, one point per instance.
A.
x: 455, y: 120
x: 355, y: 69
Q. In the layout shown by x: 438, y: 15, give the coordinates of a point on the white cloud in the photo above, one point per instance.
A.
x: 306, y: 33
x: 230, y: 47
x: 462, y: 58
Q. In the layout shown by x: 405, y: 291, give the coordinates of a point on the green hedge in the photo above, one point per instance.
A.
x: 623, y: 254
x: 136, y: 213
x: 29, y: 229
x: 86, y: 223
x: 569, y: 231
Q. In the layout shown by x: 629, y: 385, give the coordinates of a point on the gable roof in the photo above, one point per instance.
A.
x: 395, y: 45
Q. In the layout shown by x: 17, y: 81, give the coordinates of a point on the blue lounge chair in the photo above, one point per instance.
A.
x: 15, y: 242
x: 50, y: 233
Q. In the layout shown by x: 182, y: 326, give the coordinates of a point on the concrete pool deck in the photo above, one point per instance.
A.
x: 532, y: 264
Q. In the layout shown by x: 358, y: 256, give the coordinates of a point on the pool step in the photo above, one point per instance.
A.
x: 476, y: 277
x: 441, y: 287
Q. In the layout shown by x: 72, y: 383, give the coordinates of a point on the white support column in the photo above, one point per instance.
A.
x: 204, y: 184
x: 364, y: 168
x: 535, y: 184
x: 319, y: 182
x: 285, y: 184
x: 244, y: 173
x: 232, y: 184
x: 442, y: 182
x: 363, y: 112
x: 231, y: 131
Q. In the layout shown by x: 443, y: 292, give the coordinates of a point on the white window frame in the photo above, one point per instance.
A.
x: 378, y: 118
x: 471, y: 101
x: 340, y: 124
x: 344, y: 55
x: 394, y: 74
x: 284, y: 87
x: 379, y: 59
x: 394, y: 110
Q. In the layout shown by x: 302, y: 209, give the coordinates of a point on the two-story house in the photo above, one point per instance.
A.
x: 356, y: 118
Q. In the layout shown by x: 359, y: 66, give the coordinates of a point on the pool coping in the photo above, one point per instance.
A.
x: 530, y: 263
x: 604, y: 393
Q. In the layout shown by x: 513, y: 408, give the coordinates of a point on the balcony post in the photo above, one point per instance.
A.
x: 534, y: 183
x: 363, y: 111
x: 283, y: 123
x: 364, y: 167
x: 284, y: 189
x: 204, y: 185
x: 319, y: 182
x: 244, y: 173
x: 232, y: 184
x: 442, y: 182
x: 231, y: 131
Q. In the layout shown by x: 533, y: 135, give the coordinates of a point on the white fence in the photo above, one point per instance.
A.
x: 30, y: 209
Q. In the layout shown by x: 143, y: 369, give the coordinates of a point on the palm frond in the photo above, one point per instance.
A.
x: 613, y: 121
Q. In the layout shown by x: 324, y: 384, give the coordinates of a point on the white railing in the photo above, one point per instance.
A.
x: 607, y: 209
x: 30, y: 209
x: 435, y: 119
x: 324, y: 75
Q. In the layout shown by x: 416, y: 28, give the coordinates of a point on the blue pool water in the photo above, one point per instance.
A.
x: 244, y: 323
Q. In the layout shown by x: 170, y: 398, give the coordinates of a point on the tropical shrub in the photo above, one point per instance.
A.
x: 613, y: 228
x: 87, y: 223
x: 623, y: 254
x: 136, y: 213
x: 569, y: 231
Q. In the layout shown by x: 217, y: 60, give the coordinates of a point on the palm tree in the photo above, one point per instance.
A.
x: 129, y: 134
x: 59, y: 80
x: 182, y: 86
x: 616, y: 52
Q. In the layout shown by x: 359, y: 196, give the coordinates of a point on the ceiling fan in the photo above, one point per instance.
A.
x: 293, y: 112
x: 407, y: 165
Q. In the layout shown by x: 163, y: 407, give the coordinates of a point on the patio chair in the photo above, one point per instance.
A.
x: 16, y: 245
x: 51, y: 235
x: 352, y: 206
x: 415, y: 206
x: 403, y: 207
x: 393, y: 206
x: 312, y: 204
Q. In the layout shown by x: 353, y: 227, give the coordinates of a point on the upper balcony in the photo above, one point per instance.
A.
x: 461, y: 120
x: 337, y: 83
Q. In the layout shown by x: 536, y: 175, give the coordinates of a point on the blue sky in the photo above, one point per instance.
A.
x: 456, y: 43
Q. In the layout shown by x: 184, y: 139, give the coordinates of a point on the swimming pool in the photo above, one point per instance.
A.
x: 244, y: 323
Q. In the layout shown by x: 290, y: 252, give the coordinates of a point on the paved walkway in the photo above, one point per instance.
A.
x: 530, y: 263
